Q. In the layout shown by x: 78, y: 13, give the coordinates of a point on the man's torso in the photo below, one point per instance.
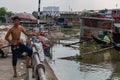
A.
x: 15, y: 34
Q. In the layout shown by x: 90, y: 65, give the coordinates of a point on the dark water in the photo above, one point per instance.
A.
x: 98, y: 67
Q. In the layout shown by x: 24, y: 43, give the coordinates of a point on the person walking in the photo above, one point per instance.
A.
x: 16, y: 46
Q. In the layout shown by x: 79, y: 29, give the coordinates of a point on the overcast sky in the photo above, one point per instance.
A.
x: 65, y: 5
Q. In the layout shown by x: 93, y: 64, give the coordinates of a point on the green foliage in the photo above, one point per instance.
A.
x: 84, y: 13
x: 3, y: 11
x: 81, y: 47
x: 9, y: 13
x: 88, y: 46
x: 65, y: 29
x: 103, y: 11
x: 78, y: 57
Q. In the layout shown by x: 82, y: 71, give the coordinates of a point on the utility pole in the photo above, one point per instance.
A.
x: 116, y: 9
x: 38, y: 19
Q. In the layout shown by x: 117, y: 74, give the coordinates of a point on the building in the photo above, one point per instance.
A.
x: 50, y: 13
x: 95, y: 26
x: 70, y: 18
x: 51, y: 10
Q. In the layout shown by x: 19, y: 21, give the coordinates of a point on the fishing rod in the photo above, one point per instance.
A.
x: 76, y: 42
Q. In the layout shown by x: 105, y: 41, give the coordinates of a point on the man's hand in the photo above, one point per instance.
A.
x: 34, y: 34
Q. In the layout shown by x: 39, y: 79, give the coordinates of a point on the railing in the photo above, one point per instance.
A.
x: 38, y: 69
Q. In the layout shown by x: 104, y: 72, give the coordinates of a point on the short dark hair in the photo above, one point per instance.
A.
x: 15, y: 17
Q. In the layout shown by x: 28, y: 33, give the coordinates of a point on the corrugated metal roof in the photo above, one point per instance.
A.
x: 25, y: 16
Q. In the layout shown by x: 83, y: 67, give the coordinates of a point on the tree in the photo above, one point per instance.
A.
x: 3, y: 11
x: 84, y: 13
x: 103, y: 11
x: 9, y: 13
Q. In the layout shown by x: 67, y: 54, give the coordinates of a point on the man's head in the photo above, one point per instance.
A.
x: 16, y: 20
x: 15, y: 17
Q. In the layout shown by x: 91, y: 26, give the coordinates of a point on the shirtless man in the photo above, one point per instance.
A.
x: 16, y: 46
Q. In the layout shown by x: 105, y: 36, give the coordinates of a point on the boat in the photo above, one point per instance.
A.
x: 102, y: 43
x: 96, y: 26
x: 116, y: 46
x: 116, y: 37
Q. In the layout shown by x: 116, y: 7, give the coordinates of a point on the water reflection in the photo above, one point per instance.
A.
x: 95, y: 72
x: 104, y: 65
x: 116, y: 71
x: 107, y: 60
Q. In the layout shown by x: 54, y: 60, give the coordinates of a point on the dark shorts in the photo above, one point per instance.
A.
x: 17, y: 50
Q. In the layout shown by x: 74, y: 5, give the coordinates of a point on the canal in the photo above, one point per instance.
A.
x: 94, y: 69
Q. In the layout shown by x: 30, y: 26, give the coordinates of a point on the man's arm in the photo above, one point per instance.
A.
x: 28, y: 34
x: 7, y: 36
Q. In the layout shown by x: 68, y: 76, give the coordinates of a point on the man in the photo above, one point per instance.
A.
x: 16, y: 46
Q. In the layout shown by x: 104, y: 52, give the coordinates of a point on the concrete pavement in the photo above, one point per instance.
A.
x: 6, y: 71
